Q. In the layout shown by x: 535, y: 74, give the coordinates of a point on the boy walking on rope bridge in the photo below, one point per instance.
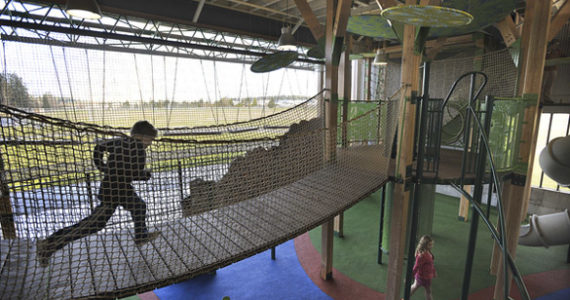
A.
x: 126, y: 158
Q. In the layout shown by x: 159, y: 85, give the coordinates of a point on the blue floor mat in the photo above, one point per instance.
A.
x: 257, y: 277
x: 558, y: 295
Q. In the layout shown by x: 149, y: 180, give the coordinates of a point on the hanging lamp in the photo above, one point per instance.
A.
x: 286, y: 41
x: 381, y: 57
x: 84, y: 9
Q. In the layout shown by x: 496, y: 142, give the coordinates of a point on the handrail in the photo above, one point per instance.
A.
x: 472, y: 98
x: 446, y: 99
x: 502, y: 240
x: 495, y: 235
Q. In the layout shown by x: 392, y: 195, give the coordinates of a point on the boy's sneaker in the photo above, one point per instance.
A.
x: 43, y: 254
x: 147, y: 238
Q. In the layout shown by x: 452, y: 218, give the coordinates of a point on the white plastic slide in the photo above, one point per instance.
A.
x: 546, y: 230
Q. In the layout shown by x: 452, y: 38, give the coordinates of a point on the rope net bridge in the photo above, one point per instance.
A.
x: 217, y: 195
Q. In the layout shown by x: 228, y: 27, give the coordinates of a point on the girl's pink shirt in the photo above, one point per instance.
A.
x: 424, y: 266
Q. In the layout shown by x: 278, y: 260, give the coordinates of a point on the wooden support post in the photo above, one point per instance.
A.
x: 6, y: 215
x: 337, y: 20
x: 339, y: 225
x: 331, y: 83
x: 327, y: 250
x: 345, y: 79
x: 534, y: 40
x: 400, y: 207
x: 464, y: 205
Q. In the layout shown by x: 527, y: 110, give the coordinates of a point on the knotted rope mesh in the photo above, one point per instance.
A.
x: 217, y: 194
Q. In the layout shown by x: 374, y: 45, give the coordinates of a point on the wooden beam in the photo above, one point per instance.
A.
x: 327, y: 237
x: 430, y: 2
x: 365, y: 10
x: 341, y: 18
x: 508, y: 30
x: 6, y: 215
x: 331, y: 83
x: 316, y: 28
x: 559, y: 20
x: 399, y: 214
x: 435, y: 48
x: 345, y: 78
x: 455, y: 40
x: 535, y: 34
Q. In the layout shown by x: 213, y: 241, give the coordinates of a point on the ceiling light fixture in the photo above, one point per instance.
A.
x: 286, y: 41
x: 84, y: 9
x: 381, y: 58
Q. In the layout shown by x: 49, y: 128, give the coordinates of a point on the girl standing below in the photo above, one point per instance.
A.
x: 424, y: 269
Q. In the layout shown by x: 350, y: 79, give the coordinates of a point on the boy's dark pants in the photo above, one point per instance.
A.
x: 111, y: 194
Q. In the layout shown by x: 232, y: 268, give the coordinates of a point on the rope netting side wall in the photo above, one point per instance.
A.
x: 48, y: 162
x: 197, y: 199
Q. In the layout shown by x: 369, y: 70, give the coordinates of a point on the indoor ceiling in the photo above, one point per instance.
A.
x: 264, y: 18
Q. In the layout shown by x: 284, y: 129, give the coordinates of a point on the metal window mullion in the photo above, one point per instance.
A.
x: 567, y: 131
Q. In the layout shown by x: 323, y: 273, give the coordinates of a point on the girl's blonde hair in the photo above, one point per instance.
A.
x: 423, y: 244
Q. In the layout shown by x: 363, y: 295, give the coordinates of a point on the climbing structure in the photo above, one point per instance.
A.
x: 217, y: 195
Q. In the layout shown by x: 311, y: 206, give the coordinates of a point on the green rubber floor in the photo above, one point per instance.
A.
x: 355, y: 255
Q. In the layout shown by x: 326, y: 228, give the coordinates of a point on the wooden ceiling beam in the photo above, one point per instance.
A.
x: 341, y: 18
x: 436, y: 47
x: 559, y: 20
x: 454, y: 40
x: 430, y: 2
x: 316, y: 28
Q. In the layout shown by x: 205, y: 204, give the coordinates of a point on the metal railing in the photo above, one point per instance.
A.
x: 477, y: 153
x: 554, y: 122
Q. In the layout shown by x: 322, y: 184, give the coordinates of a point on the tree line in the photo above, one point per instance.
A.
x: 15, y: 93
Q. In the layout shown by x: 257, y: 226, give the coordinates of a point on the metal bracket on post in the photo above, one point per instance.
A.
x: 414, y: 97
x: 408, y: 181
x: 518, y: 179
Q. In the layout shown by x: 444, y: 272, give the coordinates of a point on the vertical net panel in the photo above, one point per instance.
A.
x: 502, y: 72
x: 117, y: 89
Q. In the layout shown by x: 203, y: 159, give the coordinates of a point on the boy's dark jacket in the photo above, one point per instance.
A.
x: 125, y: 161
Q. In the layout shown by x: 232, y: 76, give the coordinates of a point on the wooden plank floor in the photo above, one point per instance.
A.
x: 449, y: 167
x: 109, y: 264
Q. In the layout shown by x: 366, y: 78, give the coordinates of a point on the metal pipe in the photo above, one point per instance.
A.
x: 381, y: 231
